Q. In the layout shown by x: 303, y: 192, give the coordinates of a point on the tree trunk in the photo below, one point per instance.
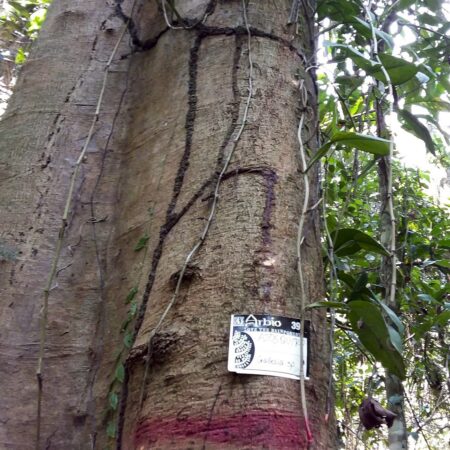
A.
x: 173, y: 105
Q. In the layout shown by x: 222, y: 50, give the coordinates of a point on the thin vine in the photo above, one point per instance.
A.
x: 43, y: 313
x: 332, y: 289
x: 300, y: 238
x: 389, y: 194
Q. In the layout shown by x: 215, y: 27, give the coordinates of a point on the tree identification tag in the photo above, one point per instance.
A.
x: 262, y: 344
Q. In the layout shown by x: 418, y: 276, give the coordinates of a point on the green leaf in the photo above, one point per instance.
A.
x: 125, y: 323
x: 395, y: 339
x: 21, y: 10
x: 113, y: 400
x: 443, y: 263
x: 361, y: 291
x: 133, y: 309
x: 128, y: 340
x: 20, y: 56
x: 319, y: 154
x: 361, y: 283
x: 443, y: 318
x: 433, y: 103
x: 326, y: 304
x: 348, y: 241
x: 111, y: 429
x: 141, y: 243
x: 393, y: 317
x: 428, y: 18
x: 445, y: 243
x: 366, y: 29
x: 131, y: 294
x: 120, y: 373
x: 37, y: 19
x: 367, y: 168
x: 371, y: 144
x: 431, y: 120
x: 368, y: 323
x: 131, y: 313
x: 411, y: 123
x: 355, y: 55
x: 347, y: 279
x: 426, y: 298
x: 337, y: 10
x: 403, y: 4
x: 399, y: 70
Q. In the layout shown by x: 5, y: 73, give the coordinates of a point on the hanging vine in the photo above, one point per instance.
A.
x: 300, y: 238
x: 57, y: 254
x: 388, y: 159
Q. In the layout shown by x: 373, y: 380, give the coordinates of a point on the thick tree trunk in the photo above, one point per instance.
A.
x: 170, y: 115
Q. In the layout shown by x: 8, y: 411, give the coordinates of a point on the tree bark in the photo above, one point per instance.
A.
x: 42, y: 131
x: 174, y: 101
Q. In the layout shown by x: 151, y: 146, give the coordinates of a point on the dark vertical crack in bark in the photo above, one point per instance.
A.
x: 190, y: 123
x: 171, y: 220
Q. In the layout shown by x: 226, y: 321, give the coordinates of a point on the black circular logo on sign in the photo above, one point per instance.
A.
x: 244, y: 349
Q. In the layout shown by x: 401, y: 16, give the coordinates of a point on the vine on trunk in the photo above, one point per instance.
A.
x: 300, y: 238
x: 56, y: 256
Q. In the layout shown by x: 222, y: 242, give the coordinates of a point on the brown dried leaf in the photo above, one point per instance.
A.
x: 373, y: 415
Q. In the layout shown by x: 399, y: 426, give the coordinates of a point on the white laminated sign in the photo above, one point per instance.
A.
x: 267, y: 345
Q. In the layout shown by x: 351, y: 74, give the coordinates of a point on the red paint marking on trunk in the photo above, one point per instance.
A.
x: 271, y: 428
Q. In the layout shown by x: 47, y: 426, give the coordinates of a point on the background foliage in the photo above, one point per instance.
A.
x: 20, y: 22
x: 412, y: 341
